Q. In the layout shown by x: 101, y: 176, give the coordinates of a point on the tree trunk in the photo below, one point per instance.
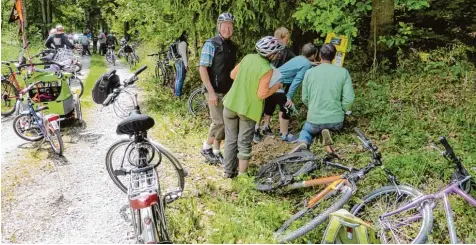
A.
x: 381, y: 24
x: 126, y: 30
x: 43, y: 15
x: 48, y: 12
x: 25, y: 17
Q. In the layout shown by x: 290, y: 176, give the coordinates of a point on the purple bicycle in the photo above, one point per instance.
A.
x: 402, y: 214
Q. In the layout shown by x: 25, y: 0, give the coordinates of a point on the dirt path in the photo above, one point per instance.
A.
x: 70, y: 199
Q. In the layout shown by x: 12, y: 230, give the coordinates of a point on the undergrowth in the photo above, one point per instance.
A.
x: 401, y: 111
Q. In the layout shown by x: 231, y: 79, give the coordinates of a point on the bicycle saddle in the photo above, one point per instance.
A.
x: 135, y: 123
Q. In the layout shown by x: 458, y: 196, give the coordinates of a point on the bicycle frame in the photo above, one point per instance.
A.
x: 453, y: 188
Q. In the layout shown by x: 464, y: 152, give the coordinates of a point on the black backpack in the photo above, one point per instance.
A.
x: 105, y: 84
x: 173, y: 51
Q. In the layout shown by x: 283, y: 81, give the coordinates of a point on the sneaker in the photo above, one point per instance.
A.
x: 267, y: 131
x: 219, y: 158
x: 300, y: 147
x: 289, y: 138
x: 209, y: 156
x: 257, y: 137
x: 326, y: 137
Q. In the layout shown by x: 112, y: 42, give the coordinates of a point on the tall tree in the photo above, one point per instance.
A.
x: 381, y: 23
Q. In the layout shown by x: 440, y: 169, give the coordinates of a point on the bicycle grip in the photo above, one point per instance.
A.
x: 107, y: 101
x: 447, y: 146
x: 143, y: 68
x: 360, y: 134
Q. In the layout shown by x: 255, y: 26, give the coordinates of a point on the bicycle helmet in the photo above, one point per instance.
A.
x: 269, y: 45
x: 226, y: 17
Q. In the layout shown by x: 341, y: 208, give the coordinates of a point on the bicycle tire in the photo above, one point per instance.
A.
x: 79, y: 65
x: 156, y: 71
x: 270, y: 176
x: 77, y: 108
x: 427, y: 222
x: 7, y: 86
x: 59, y: 149
x: 149, y: 233
x: 161, y: 222
x: 17, y: 119
x: 176, y: 164
x: 321, y: 218
x: 196, y: 93
x: 76, y: 81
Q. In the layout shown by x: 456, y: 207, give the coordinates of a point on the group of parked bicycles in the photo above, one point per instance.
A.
x: 140, y: 167
x: 399, y: 213
x: 46, y: 97
x: 126, y: 50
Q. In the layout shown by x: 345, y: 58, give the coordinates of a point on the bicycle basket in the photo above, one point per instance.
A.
x: 64, y: 56
x: 143, y: 182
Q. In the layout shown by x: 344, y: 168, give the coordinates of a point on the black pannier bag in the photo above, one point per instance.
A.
x: 105, y: 84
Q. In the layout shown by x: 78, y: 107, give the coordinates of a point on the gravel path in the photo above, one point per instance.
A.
x: 70, y: 199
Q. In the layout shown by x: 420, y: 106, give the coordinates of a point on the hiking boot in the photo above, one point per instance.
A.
x: 289, y: 138
x: 300, y: 147
x: 209, y: 156
x: 326, y: 137
x: 257, y: 137
x: 267, y: 131
x: 219, y: 158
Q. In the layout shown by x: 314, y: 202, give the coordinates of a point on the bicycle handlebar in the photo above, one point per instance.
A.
x: 448, y: 150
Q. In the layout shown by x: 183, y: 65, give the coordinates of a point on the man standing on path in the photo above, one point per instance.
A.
x: 102, y: 43
x: 328, y: 93
x: 58, y: 39
x: 217, y: 60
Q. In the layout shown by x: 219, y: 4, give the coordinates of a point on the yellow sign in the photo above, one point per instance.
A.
x: 341, y: 43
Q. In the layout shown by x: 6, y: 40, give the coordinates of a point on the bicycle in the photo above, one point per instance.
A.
x: 42, y: 127
x: 197, y: 103
x: 163, y: 71
x: 143, y: 157
x: 131, y: 55
x: 338, y: 192
x: 110, y: 55
x: 409, y: 220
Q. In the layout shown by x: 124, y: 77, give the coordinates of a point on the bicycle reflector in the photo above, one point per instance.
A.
x: 52, y: 118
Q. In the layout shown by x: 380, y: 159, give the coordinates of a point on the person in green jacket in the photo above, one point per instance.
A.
x: 328, y: 93
x: 243, y: 104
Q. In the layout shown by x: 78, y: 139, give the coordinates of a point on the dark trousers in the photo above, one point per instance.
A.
x: 102, y: 49
x: 86, y: 49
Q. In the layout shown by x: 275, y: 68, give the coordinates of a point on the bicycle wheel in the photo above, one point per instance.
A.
x: 77, y: 108
x: 9, y: 98
x: 161, y: 222
x: 309, y: 218
x: 76, y: 84
x: 156, y: 71
x: 163, y: 75
x: 401, y: 227
x: 282, y: 170
x: 121, y: 156
x: 26, y: 128
x: 197, y: 104
x: 108, y: 57
x: 56, y: 142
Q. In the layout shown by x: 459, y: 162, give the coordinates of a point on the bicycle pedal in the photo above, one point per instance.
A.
x: 173, y: 194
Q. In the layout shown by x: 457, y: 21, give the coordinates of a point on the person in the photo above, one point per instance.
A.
x: 286, y: 54
x: 88, y: 33
x: 292, y: 74
x: 95, y: 43
x: 58, y: 40
x: 243, y: 104
x: 181, y: 65
x: 102, y: 43
x: 85, y: 42
x: 111, y: 40
x: 52, y: 32
x: 217, y: 60
x: 328, y: 93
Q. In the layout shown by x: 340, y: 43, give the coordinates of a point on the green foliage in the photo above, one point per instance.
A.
x: 341, y: 17
x: 404, y: 32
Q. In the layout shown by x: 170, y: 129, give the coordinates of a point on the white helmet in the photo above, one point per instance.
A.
x: 269, y: 45
x: 226, y: 17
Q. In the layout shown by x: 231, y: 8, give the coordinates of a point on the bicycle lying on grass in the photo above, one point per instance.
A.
x: 137, y: 167
x: 402, y: 214
x: 283, y: 172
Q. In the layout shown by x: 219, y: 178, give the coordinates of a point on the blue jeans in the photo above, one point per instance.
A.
x: 181, y: 73
x: 310, y: 130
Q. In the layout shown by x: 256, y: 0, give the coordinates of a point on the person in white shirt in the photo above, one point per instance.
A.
x: 181, y: 64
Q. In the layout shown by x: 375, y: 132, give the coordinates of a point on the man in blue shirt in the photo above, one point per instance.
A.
x: 292, y: 74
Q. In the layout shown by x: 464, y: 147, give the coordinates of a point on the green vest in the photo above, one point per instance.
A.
x: 242, y: 97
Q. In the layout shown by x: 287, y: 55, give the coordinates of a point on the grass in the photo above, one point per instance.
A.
x: 96, y: 69
x: 400, y: 111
